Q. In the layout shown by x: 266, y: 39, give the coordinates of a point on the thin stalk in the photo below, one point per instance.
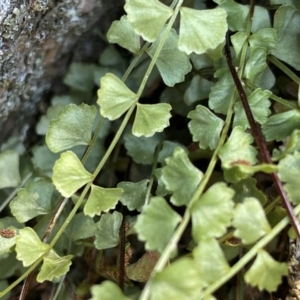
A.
x: 284, y: 68
x: 273, y: 97
x: 248, y: 256
x: 13, y: 194
x: 260, y: 141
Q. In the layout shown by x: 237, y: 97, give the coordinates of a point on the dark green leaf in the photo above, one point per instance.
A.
x: 134, y: 194
x: 107, y: 232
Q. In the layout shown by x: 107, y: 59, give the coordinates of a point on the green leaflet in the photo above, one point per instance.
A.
x: 80, y: 76
x: 155, y: 216
x: 210, y: 261
x: 150, y: 119
x: 134, y: 194
x: 205, y: 127
x: 264, y: 38
x: 195, y: 29
x: 256, y: 65
x: 73, y: 127
x: 221, y: 92
x: 250, y: 221
x: 107, y: 232
x: 69, y: 175
x: 29, y: 247
x: 198, y: 89
x: 147, y: 17
x: 178, y: 173
x: 32, y: 201
x: 107, y: 290
x: 266, y: 273
x: 114, y: 97
x: 9, y: 169
x: 172, y: 64
x: 101, y: 200
x: 212, y: 213
x: 247, y: 188
x: 122, y: 33
x: 54, y: 266
x: 281, y: 125
x: 289, y: 172
x: 259, y: 105
x: 81, y: 227
x: 169, y: 285
x: 286, y: 22
x: 142, y: 149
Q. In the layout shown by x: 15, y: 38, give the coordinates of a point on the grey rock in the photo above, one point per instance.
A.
x: 37, y: 39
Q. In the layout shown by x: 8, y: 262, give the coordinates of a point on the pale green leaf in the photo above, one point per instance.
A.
x: 247, y: 188
x: 259, y: 105
x: 238, y: 40
x: 180, y: 280
x: 286, y: 24
x: 29, y: 247
x: 281, y: 125
x: 172, y: 64
x: 221, y: 92
x: 69, y: 175
x: 196, y: 33
x: 80, y: 76
x: 150, y: 119
x: 107, y: 232
x: 264, y: 38
x: 210, y: 261
x: 107, y: 290
x: 101, y: 200
x: 114, y: 97
x: 33, y: 200
x: 81, y: 227
x: 256, y: 65
x: 250, y: 221
x: 212, y: 213
x: 142, y: 149
x: 147, y: 17
x: 198, y: 89
x: 134, y: 194
x: 9, y: 169
x: 179, y: 172
x: 155, y: 216
x: 289, y: 172
x: 205, y: 127
x: 122, y: 33
x: 73, y: 127
x: 238, y: 149
x: 266, y: 273
x: 54, y: 266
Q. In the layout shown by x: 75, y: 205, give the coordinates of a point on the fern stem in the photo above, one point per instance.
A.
x: 249, y: 255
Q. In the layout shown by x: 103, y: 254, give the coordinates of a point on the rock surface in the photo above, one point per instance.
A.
x: 37, y: 38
